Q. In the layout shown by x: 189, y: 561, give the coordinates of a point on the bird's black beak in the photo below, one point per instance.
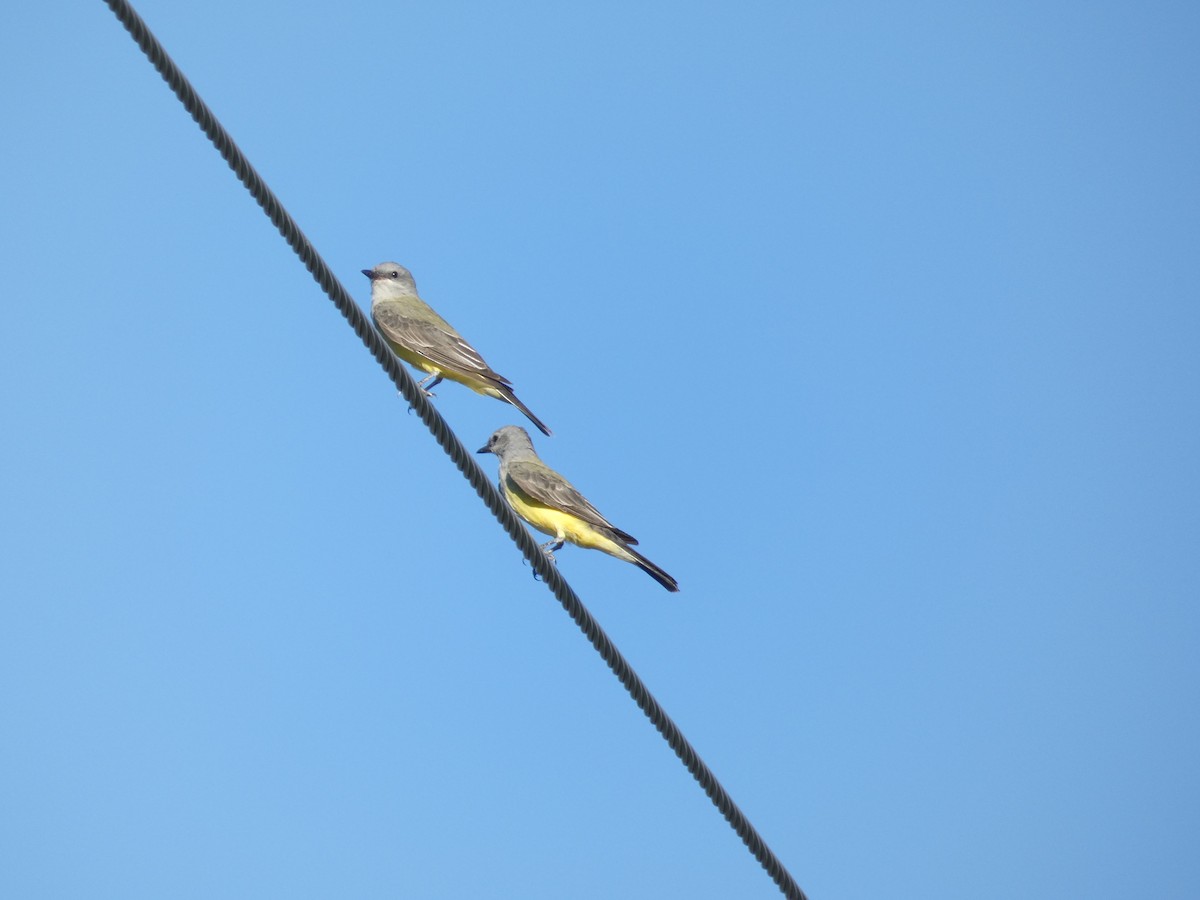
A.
x: 484, y: 449
x: 369, y: 274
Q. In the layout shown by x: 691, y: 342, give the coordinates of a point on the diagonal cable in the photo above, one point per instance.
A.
x: 449, y: 442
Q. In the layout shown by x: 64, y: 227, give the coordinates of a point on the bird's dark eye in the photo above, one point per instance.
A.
x: 394, y: 274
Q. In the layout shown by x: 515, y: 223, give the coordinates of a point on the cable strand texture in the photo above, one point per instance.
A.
x: 450, y: 443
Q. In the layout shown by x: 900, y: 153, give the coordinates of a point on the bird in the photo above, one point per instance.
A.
x: 552, y: 505
x: 423, y: 339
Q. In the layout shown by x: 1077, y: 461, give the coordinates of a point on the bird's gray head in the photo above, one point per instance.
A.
x: 509, y: 442
x: 391, y: 278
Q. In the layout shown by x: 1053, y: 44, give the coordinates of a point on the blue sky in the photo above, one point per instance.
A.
x: 878, y: 325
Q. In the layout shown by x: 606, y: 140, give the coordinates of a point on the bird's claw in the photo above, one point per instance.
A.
x: 425, y: 385
x: 547, y: 549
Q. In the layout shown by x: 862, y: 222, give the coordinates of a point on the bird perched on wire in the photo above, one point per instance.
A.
x: 552, y: 505
x: 423, y: 339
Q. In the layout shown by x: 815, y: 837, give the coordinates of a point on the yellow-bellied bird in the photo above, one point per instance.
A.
x: 552, y: 505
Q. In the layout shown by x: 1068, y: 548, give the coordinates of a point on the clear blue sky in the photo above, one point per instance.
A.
x: 878, y: 324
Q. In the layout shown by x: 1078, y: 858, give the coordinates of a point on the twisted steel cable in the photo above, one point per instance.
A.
x: 449, y: 442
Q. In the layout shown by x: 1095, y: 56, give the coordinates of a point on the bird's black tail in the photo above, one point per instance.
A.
x: 512, y: 398
x: 653, y: 571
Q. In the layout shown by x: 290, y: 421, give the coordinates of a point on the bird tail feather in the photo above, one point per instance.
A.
x: 512, y: 398
x: 653, y: 571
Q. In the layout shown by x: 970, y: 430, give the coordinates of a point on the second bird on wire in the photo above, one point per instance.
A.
x: 552, y: 505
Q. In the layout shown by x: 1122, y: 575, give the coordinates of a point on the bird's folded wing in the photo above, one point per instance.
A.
x: 547, y: 487
x: 445, y: 349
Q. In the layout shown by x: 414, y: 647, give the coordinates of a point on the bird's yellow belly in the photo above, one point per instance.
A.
x: 416, y: 360
x: 561, y: 525
x: 474, y: 382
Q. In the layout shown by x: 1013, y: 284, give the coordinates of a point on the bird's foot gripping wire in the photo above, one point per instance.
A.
x: 427, y: 384
x: 423, y: 386
x: 548, y: 549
